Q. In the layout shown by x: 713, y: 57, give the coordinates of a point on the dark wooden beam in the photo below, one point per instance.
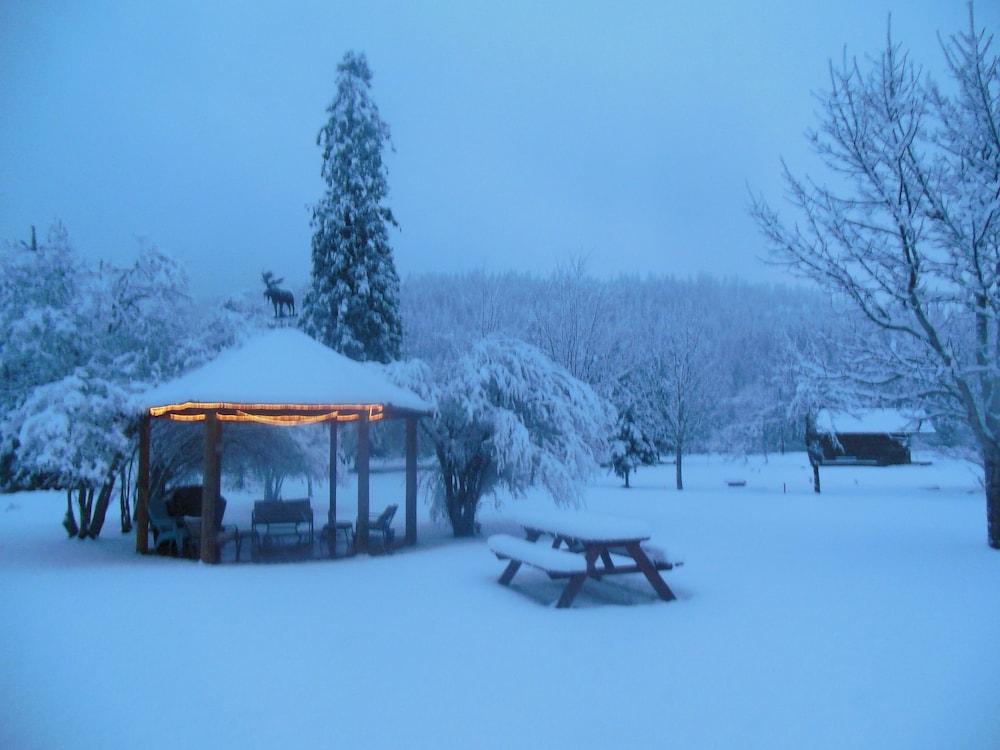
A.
x: 411, y: 480
x: 361, y: 540
x: 142, y: 489
x: 397, y: 412
x: 331, y: 517
x: 212, y: 472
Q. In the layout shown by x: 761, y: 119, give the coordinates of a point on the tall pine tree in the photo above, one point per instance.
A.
x: 353, y: 302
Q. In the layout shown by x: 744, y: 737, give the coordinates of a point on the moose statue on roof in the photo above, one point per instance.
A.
x: 280, y: 298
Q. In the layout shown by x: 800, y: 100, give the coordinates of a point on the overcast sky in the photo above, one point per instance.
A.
x: 525, y: 134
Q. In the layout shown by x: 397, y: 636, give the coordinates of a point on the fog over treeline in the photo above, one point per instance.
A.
x: 726, y: 347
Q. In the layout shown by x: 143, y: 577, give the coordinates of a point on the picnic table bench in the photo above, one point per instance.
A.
x: 595, y: 546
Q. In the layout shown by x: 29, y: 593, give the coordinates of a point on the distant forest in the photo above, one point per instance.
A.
x: 729, y: 352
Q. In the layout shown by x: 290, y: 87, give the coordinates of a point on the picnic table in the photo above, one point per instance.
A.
x: 583, y: 545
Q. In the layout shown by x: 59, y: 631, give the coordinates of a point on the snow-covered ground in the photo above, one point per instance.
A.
x: 866, y: 617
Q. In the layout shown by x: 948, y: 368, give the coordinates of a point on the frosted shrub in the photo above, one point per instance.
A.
x: 507, y: 417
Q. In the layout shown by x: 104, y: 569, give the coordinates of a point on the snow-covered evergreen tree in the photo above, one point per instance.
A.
x: 631, y: 447
x: 353, y: 301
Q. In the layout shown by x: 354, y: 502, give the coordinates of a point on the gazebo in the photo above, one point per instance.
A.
x: 284, y: 378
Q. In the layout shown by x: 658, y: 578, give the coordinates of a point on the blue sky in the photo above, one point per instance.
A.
x: 525, y: 133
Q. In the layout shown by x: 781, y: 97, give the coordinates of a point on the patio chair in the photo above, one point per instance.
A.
x: 167, y: 530
x: 380, y: 527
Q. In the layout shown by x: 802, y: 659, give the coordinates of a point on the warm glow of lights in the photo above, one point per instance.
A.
x: 243, y: 412
x: 158, y: 411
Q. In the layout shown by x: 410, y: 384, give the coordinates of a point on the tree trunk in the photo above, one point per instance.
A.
x: 462, y: 514
x: 101, y: 508
x: 815, y: 450
x: 85, y: 499
x: 680, y: 475
x: 627, y: 472
x: 992, y: 481
x: 69, y: 520
x: 124, y: 498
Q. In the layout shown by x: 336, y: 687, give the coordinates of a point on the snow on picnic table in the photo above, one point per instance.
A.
x: 540, y: 555
x: 865, y: 617
x: 583, y: 525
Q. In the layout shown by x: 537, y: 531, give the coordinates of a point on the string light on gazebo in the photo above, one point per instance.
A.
x: 265, y: 413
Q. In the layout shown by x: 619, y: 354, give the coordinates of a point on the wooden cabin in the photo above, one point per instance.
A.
x: 869, y: 437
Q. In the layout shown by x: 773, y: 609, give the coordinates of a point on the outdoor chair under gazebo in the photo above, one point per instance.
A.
x: 281, y: 378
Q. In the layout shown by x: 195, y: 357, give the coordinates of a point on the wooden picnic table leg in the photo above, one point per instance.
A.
x: 572, y: 589
x: 575, y: 582
x: 591, y: 553
x: 509, y: 571
x: 649, y: 570
x: 606, y: 559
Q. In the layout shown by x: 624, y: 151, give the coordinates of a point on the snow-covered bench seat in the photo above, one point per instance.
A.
x: 555, y: 562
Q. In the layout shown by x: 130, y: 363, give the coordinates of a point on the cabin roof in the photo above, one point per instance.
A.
x: 872, y: 421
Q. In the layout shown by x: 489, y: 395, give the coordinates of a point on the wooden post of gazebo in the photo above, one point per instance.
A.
x: 331, y: 517
x: 411, y: 480
x: 361, y: 540
x: 142, y: 490
x: 210, y: 485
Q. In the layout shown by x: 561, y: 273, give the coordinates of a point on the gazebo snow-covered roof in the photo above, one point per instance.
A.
x: 281, y: 370
x: 281, y: 377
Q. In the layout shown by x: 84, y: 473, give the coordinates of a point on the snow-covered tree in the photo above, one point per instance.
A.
x: 146, y: 316
x: 909, y: 232
x: 631, y: 447
x: 353, y: 302
x: 681, y: 387
x: 75, y: 340
x: 72, y: 432
x: 507, y: 417
x: 573, y: 321
x: 42, y: 316
x: 46, y: 331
